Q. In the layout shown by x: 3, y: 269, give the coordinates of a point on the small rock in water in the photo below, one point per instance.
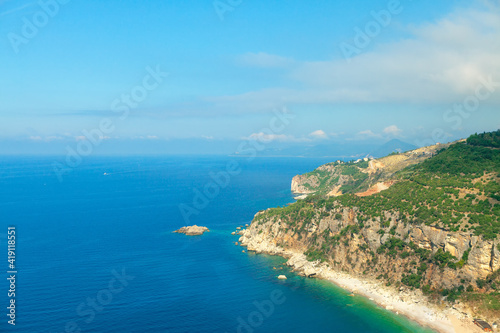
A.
x: 246, y: 225
x: 282, y: 277
x: 238, y: 228
x: 233, y: 233
x: 235, y: 243
x: 193, y: 230
x: 243, y: 251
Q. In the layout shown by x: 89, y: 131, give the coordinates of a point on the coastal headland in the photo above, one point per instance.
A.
x: 416, y: 232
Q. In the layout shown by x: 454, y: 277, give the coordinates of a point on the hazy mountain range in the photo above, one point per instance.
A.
x: 343, y: 151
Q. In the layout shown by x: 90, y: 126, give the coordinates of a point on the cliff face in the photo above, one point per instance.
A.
x: 299, y: 184
x: 427, y: 219
x: 359, y: 253
x: 332, y: 178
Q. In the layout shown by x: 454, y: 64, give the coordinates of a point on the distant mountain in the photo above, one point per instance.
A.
x: 333, y: 150
x: 392, y: 146
x: 339, y: 150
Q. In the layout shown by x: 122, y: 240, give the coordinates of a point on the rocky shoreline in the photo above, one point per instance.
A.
x: 410, y: 303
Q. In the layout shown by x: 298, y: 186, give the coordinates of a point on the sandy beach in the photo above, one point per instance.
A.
x: 411, y: 304
x: 406, y: 302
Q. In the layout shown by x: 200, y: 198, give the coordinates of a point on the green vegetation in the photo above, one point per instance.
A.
x: 465, y: 258
x: 314, y: 254
x: 460, y: 159
x: 453, y: 294
x: 363, y: 164
x: 443, y: 259
x: 485, y: 303
x: 485, y: 140
x: 358, y: 177
x: 323, y: 179
x: 458, y: 189
x: 350, y: 229
x: 412, y: 280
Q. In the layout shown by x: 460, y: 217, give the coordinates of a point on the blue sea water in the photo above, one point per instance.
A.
x: 96, y: 252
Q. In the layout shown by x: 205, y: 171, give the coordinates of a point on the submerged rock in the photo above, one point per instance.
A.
x: 282, y: 277
x: 193, y: 230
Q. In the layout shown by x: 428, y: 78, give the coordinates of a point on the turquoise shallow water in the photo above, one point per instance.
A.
x: 96, y: 252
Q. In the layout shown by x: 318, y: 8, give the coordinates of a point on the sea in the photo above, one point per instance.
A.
x: 95, y: 252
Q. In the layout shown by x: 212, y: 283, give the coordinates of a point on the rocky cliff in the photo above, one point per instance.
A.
x: 433, y: 226
x: 369, y: 251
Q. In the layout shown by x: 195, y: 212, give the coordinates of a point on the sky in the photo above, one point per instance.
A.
x: 203, y: 76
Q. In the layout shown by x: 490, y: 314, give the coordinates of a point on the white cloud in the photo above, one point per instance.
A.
x: 84, y: 138
x: 263, y: 137
x: 48, y: 138
x: 268, y: 137
x: 393, y: 130
x: 54, y: 138
x: 441, y: 62
x: 264, y: 60
x: 368, y: 134
x: 319, y: 134
x: 141, y: 137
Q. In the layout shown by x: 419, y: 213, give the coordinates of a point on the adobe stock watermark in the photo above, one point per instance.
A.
x: 88, y: 310
x: 249, y: 149
x: 121, y: 106
x: 31, y: 26
x: 364, y: 36
x: 456, y: 114
x: 223, y: 6
x: 263, y: 310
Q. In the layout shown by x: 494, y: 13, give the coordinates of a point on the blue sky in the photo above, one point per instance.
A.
x: 231, y: 63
